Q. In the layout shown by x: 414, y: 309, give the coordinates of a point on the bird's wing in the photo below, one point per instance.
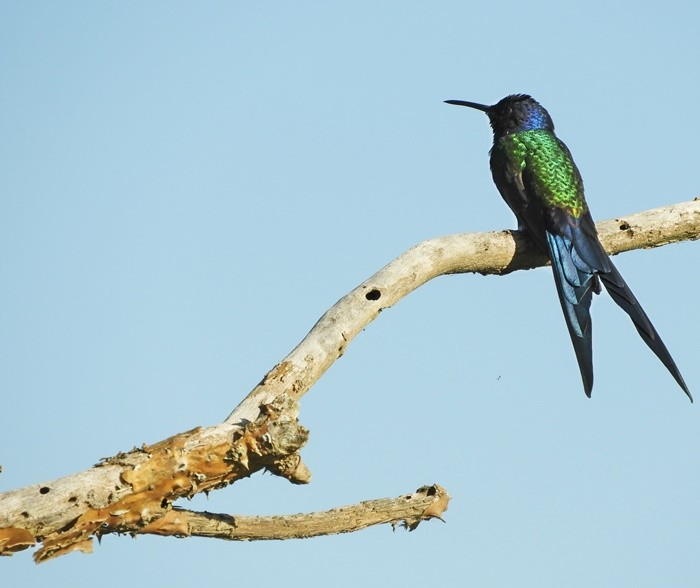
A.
x: 572, y: 245
x: 509, y: 181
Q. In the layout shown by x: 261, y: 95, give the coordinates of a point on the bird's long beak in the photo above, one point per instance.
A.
x: 482, y: 107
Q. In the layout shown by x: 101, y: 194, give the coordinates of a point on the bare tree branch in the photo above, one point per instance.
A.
x: 130, y: 492
x: 407, y: 510
x: 484, y: 253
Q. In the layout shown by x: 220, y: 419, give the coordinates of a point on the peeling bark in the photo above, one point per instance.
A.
x: 65, y: 515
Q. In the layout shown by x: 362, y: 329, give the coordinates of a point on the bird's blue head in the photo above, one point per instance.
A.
x: 513, y: 114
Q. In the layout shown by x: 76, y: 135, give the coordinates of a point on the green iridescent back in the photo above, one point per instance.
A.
x: 550, y: 168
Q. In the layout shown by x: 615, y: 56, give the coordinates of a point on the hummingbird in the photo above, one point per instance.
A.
x: 537, y: 177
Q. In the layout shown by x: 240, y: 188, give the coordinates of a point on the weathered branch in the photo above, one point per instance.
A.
x: 132, y: 491
x: 408, y: 510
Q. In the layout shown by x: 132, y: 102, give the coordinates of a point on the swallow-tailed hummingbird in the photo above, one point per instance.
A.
x: 537, y: 177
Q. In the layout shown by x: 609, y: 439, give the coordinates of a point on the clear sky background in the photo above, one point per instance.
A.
x: 185, y: 189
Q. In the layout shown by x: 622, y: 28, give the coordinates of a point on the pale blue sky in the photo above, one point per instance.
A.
x: 187, y: 187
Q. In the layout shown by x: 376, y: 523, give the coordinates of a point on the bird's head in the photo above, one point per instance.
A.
x: 515, y: 113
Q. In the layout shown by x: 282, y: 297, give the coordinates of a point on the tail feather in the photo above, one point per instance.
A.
x: 579, y: 265
x: 619, y: 291
x: 575, y: 286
